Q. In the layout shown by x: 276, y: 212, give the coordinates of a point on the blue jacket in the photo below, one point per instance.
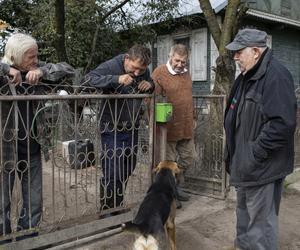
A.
x: 106, y: 77
x: 261, y: 147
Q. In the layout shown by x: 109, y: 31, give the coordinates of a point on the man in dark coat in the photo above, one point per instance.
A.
x: 119, y: 118
x: 260, y: 121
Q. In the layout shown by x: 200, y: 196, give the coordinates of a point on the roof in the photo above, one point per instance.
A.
x: 191, y: 7
x: 272, y: 17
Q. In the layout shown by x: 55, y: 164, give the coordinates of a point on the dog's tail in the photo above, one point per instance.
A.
x: 145, y: 243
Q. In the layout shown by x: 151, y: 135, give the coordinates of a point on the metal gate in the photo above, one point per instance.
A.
x: 74, y: 204
x: 67, y: 124
x: 297, y: 133
x: 207, y: 176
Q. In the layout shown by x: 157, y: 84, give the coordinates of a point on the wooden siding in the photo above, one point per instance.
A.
x: 286, y: 47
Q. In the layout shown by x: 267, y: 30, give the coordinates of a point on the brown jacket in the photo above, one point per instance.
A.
x: 178, y: 91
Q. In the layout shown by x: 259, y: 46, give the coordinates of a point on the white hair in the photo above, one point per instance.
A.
x: 16, y: 47
x: 179, y: 49
x: 262, y: 49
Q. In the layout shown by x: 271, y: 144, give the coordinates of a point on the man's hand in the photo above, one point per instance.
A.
x: 125, y: 79
x: 144, y: 86
x: 33, y: 76
x: 16, y: 75
x: 195, y: 124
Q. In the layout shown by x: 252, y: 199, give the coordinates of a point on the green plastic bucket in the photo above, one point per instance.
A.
x: 163, y: 112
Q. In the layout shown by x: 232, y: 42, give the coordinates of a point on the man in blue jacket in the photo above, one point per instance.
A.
x: 260, y: 121
x: 119, y: 118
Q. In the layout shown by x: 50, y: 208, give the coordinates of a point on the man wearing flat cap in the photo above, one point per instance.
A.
x: 260, y: 121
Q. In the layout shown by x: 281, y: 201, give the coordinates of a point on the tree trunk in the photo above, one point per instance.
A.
x: 60, y: 30
x: 225, y: 69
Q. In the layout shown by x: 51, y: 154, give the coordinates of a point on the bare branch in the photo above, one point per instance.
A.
x: 212, y: 21
x: 102, y: 19
x: 243, y: 8
x: 228, y: 24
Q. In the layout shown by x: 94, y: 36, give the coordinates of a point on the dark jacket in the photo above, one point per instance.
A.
x: 106, y: 77
x: 261, y: 149
x: 51, y: 73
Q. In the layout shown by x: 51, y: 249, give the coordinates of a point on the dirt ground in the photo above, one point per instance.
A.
x: 209, y: 224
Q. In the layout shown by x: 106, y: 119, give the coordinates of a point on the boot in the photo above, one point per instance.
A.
x: 181, y: 195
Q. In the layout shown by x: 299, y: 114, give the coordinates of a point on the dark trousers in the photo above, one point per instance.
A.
x: 30, y: 175
x: 119, y: 151
x: 257, y: 216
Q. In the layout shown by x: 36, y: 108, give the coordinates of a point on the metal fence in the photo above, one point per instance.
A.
x: 207, y: 176
x: 297, y: 135
x: 75, y: 192
x: 75, y: 198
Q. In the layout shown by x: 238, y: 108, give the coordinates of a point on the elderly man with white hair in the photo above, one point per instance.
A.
x: 21, y: 153
x: 173, y: 81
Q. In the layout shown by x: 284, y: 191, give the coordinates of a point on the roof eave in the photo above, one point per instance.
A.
x: 273, y: 18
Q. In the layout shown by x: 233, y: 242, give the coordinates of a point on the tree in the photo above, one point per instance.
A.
x: 225, y: 66
x: 59, y: 42
x: 100, y: 21
x: 149, y: 10
x: 222, y: 34
x: 15, y: 12
x: 67, y: 30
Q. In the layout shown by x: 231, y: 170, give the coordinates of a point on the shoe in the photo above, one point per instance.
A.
x: 181, y: 195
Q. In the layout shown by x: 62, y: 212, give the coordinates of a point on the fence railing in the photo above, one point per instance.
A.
x: 297, y: 136
x: 207, y: 176
x: 100, y: 150
x: 97, y: 162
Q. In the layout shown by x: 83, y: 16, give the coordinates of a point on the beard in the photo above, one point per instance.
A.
x: 178, y: 70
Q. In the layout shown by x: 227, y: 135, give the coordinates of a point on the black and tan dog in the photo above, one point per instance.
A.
x: 155, y: 220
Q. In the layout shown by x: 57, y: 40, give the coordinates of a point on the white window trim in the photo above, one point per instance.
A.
x: 199, y: 55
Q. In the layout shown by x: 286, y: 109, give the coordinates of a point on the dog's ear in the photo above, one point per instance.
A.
x: 159, y: 167
x: 175, y: 168
x: 155, y: 170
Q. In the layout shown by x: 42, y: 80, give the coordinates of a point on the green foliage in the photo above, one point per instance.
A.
x: 16, y: 13
x: 117, y: 33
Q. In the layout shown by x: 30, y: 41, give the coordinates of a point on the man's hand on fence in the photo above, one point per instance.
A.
x: 144, y: 86
x: 16, y: 75
x: 33, y: 76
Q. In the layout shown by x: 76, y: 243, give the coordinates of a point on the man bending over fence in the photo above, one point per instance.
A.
x: 119, y: 118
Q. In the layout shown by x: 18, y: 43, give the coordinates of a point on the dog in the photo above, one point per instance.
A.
x: 155, y: 219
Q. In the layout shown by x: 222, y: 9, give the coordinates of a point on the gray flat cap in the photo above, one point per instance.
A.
x: 248, y: 38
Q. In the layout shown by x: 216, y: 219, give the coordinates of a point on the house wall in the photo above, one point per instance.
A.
x: 285, y: 45
x: 286, y: 8
x: 284, y: 41
x: 287, y: 49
